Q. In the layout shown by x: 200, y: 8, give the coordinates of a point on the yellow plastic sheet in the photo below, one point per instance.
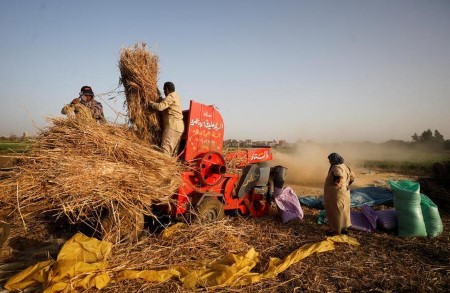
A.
x: 79, y: 256
x: 277, y: 265
x: 235, y: 270
x: 30, y: 277
x: 84, y: 249
x: 81, y: 264
x: 170, y: 231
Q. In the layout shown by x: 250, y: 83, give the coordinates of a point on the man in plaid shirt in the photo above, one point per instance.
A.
x: 86, y: 99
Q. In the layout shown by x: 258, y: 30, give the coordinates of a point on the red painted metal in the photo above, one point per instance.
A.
x: 202, y: 154
x: 211, y: 168
x: 204, y: 131
x: 249, y: 156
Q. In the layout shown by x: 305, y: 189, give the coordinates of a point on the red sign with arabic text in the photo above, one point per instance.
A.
x: 204, y: 130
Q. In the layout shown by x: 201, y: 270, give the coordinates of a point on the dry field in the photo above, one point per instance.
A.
x: 383, y: 262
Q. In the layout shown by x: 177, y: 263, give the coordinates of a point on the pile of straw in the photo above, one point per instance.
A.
x: 77, y: 167
x: 139, y: 76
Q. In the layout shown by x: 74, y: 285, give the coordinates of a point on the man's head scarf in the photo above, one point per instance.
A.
x: 335, y: 159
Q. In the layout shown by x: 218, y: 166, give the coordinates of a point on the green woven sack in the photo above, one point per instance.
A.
x: 409, y: 212
x: 430, y: 212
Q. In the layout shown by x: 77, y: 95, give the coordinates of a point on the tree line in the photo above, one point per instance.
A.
x: 431, y: 139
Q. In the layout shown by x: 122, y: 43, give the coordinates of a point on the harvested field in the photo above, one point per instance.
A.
x: 383, y: 262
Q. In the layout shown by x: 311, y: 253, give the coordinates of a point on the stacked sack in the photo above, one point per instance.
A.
x: 370, y: 220
x: 417, y: 215
x: 430, y: 212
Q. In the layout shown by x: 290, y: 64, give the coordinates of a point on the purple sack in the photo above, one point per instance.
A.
x: 366, y: 220
x: 371, y: 216
x: 387, y: 219
x: 288, y: 204
x: 360, y: 222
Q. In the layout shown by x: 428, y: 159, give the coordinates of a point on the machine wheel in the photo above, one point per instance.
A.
x: 209, y: 211
x: 211, y: 168
x: 122, y: 225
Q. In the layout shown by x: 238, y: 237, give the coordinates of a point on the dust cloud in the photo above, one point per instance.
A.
x: 308, y: 164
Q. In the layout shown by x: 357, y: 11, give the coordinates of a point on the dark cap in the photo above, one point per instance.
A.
x: 169, y: 86
x: 335, y: 159
x: 86, y: 91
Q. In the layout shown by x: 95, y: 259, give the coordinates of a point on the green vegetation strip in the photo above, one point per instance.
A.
x: 16, y: 147
x: 407, y: 167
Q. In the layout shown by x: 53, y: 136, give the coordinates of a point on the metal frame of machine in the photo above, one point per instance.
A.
x: 207, y: 186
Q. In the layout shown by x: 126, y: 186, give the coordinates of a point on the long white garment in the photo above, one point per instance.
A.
x: 337, y: 198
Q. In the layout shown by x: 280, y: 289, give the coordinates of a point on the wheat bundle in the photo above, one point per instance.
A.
x: 79, y: 110
x: 139, y: 76
x: 77, y: 167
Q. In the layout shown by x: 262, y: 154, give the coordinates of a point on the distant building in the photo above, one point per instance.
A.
x: 232, y: 143
x: 248, y: 143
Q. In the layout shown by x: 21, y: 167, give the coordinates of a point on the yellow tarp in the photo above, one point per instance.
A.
x: 170, y: 231
x: 235, y: 270
x: 84, y: 258
x: 80, y: 257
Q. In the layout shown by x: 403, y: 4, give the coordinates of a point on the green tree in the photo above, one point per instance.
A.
x: 429, y: 139
x: 426, y: 136
x: 438, y: 137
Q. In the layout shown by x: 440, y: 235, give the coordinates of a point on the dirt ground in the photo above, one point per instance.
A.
x: 364, y: 178
x: 25, y: 248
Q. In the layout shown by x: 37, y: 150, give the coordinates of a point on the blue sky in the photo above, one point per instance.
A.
x: 329, y: 71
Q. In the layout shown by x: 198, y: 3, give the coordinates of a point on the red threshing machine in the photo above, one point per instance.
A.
x: 208, y: 187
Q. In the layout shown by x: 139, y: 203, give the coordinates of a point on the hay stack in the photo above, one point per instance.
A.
x: 139, y: 76
x: 77, y: 167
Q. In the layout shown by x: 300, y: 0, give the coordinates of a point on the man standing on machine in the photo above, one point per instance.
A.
x: 172, y: 118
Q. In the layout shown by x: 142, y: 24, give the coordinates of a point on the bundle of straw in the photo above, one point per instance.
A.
x: 139, y: 76
x: 78, y: 166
